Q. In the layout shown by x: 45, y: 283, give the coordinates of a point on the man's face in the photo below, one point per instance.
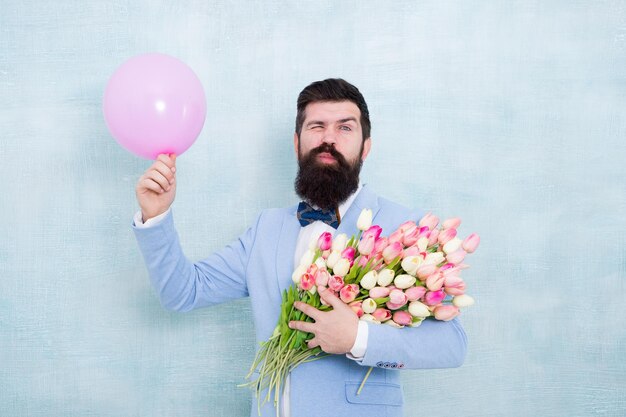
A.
x: 336, y: 124
x: 330, y: 151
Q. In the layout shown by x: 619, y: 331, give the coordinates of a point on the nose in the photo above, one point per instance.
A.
x: 330, y: 136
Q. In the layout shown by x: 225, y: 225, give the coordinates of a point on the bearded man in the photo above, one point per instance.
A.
x: 331, y: 141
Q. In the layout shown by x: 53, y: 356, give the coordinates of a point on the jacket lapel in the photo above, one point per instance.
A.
x: 286, y: 247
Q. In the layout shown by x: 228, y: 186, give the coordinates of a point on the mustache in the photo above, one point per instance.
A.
x: 325, y: 147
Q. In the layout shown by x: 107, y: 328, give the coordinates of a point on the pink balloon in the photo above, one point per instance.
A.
x: 154, y: 104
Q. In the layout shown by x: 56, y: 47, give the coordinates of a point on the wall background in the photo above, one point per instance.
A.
x: 510, y: 114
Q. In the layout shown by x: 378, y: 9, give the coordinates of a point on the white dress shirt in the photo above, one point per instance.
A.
x: 306, y: 235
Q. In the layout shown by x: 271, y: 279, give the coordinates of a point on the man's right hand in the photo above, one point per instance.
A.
x: 156, y: 188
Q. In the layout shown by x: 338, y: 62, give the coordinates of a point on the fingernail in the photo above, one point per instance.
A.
x: 291, y: 324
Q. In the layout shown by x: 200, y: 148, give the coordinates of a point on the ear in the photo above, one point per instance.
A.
x: 296, y: 142
x: 367, y: 145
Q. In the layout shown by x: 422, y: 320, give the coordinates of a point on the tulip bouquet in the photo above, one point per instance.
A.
x: 399, y: 280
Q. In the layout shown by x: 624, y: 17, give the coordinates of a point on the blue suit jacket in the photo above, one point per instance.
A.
x: 260, y: 264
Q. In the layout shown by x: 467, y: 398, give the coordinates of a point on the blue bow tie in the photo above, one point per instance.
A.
x: 307, y: 215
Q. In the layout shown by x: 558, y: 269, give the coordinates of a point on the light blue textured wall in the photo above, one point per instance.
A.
x: 511, y: 115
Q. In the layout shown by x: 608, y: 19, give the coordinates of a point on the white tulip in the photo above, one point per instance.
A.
x: 321, y: 263
x: 369, y: 306
x: 297, y: 274
x: 332, y: 259
x: 369, y: 318
x: 452, y: 245
x: 416, y: 323
x: 404, y: 281
x: 463, y: 300
x: 369, y: 280
x: 339, y: 242
x: 411, y: 263
x: 342, y: 267
x: 365, y: 220
x: 418, y: 309
x: 434, y: 258
x: 307, y: 258
x: 393, y: 324
x: 422, y: 244
x: 385, y: 277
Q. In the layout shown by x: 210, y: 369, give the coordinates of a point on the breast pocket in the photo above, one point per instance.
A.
x: 375, y: 393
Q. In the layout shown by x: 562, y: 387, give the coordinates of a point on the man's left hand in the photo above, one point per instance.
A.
x: 335, y: 331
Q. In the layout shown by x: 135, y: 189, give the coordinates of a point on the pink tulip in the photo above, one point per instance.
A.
x: 380, y: 245
x: 424, y: 271
x: 307, y: 281
x: 335, y: 283
x: 392, y: 306
x: 432, y: 298
x: 412, y: 251
x: 363, y: 260
x: 446, y: 312
x: 471, y: 243
x: 374, y: 231
x: 410, y: 236
x: 381, y: 314
x: 446, y: 236
x: 409, y: 224
x: 402, y: 317
x: 392, y: 251
x: 398, y: 297
x: 356, y: 307
x: 325, y: 241
x: 379, y: 292
x: 433, y: 237
x: 454, y: 285
x: 366, y: 244
x: 424, y: 231
x: 349, y: 292
x: 396, y: 236
x: 415, y: 293
x: 348, y: 253
x: 321, y: 277
x: 452, y: 223
x: 456, y: 257
x: 429, y: 220
x: 435, y: 281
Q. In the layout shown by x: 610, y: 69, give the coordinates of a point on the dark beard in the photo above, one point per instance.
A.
x: 326, y: 186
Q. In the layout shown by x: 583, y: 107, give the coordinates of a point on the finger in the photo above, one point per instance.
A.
x: 331, y: 298
x: 302, y: 326
x: 310, y: 311
x: 173, y: 157
x: 157, y: 177
x: 313, y: 343
x: 165, y: 158
x: 164, y: 170
x: 149, y: 184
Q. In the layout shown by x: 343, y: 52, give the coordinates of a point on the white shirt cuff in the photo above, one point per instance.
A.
x: 359, y: 348
x: 150, y: 222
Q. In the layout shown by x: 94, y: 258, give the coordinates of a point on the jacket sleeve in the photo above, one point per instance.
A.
x: 434, y: 344
x: 183, y: 285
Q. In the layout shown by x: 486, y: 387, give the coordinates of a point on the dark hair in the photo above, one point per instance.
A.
x: 333, y: 89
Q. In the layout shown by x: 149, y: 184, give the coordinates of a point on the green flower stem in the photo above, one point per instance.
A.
x: 367, y: 375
